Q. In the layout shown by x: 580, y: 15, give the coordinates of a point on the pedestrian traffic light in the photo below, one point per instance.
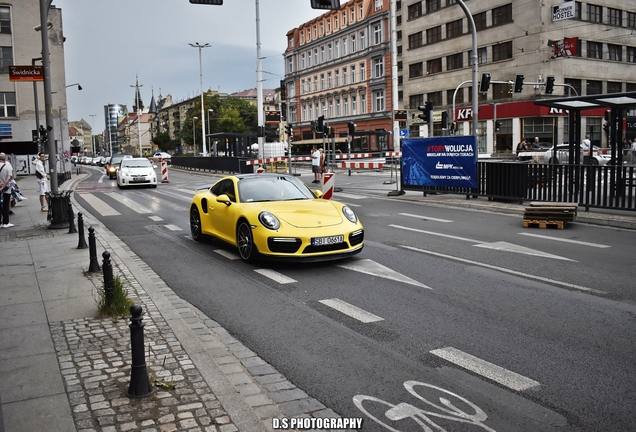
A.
x: 484, y: 84
x: 352, y: 128
x: 321, y: 123
x: 289, y: 130
x: 325, y: 4
x: 519, y: 83
x: 549, y: 85
x: 497, y: 125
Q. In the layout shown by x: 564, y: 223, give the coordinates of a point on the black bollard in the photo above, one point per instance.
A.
x: 92, y: 251
x: 139, y: 382
x: 71, y: 219
x: 80, y: 226
x: 109, y: 283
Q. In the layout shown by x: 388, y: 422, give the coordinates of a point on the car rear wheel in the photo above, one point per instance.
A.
x: 245, y: 241
x: 593, y: 161
x: 554, y: 161
x: 195, y: 224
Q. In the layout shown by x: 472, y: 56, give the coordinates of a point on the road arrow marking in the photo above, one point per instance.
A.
x: 373, y: 268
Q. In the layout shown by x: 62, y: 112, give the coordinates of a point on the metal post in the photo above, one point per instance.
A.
x: 109, y: 283
x: 71, y: 219
x: 259, y: 85
x: 80, y: 226
x: 92, y: 251
x: 139, y: 382
x: 48, y: 102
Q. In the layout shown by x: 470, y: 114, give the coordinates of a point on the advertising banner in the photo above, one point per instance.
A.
x: 440, y: 161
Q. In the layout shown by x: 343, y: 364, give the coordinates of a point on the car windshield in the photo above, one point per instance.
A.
x: 136, y: 163
x: 273, y: 188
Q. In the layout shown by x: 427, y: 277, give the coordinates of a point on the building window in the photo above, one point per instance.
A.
x: 614, y: 52
x: 353, y: 74
x: 337, y: 78
x: 353, y: 105
x: 482, y: 56
x: 630, y: 87
x: 344, y: 19
x: 353, y: 15
x: 502, y: 51
x: 435, y: 98
x: 377, y: 33
x: 500, y: 91
x: 415, y: 101
x: 329, y: 84
x: 290, y: 65
x: 415, y: 10
x: 316, y: 56
x: 434, y: 35
x: 329, y: 52
x: 337, y: 107
x: 315, y: 32
x: 455, y: 61
x: 454, y: 29
x: 7, y: 104
x: 315, y: 83
x: 337, y: 48
x: 363, y: 73
x: 615, y: 17
x: 303, y: 65
x: 459, y: 96
x: 353, y: 44
x: 416, y: 70
x: 378, y: 100
x: 502, y: 15
x: 344, y: 76
x: 322, y: 81
x: 594, y: 13
x: 631, y: 55
x: 614, y: 87
x: 434, y: 66
x: 378, y: 67
x: 6, y: 59
x: 577, y: 10
x: 335, y: 22
x: 345, y: 43
x: 574, y: 84
x: 328, y: 27
x: 631, y: 19
x: 595, y: 50
x: 594, y: 87
x: 362, y: 40
x: 433, y: 5
x: 5, y: 20
x: 363, y: 103
x: 309, y: 58
x: 415, y: 40
x: 330, y: 112
x: 345, y: 106
x: 480, y: 21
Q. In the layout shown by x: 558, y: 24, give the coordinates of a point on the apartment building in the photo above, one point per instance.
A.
x: 589, y: 48
x: 337, y: 69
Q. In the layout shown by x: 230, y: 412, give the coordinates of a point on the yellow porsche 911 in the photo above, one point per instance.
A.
x: 275, y: 216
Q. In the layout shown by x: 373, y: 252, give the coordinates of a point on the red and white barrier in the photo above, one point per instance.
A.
x: 393, y: 154
x: 362, y: 165
x: 262, y: 161
x: 328, y: 182
x: 354, y: 156
x: 164, y: 170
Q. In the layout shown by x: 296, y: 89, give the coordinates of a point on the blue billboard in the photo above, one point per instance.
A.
x: 440, y: 161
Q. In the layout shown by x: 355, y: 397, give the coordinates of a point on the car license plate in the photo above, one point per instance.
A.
x: 322, y: 241
x: 139, y: 179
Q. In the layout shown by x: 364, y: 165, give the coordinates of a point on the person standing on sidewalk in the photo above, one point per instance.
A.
x: 43, y: 179
x: 6, y: 174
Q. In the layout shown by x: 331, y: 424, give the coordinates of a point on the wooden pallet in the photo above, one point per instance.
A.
x: 531, y: 223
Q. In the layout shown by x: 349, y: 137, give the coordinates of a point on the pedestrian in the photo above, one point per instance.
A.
x: 322, y: 162
x: 315, y: 164
x: 42, y: 178
x: 521, y: 147
x: 6, y: 174
x: 585, y: 144
x: 536, y: 144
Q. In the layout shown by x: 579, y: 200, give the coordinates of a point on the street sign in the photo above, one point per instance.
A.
x: 272, y: 116
x: 210, y: 2
x: 325, y: 4
x: 405, y: 132
x: 400, y: 114
x: 563, y: 11
x: 26, y: 73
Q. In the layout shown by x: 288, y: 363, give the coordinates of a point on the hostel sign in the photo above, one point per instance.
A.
x: 26, y: 73
x: 563, y: 11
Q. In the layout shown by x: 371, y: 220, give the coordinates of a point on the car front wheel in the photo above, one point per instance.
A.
x: 195, y: 224
x: 245, y: 241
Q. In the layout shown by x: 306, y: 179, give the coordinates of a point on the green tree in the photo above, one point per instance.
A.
x: 163, y: 141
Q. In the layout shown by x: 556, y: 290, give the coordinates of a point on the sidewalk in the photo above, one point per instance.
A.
x: 63, y: 369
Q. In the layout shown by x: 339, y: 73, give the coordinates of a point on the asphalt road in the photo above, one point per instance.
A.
x: 519, y: 329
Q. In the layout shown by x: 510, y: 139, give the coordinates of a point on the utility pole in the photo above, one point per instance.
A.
x: 48, y: 101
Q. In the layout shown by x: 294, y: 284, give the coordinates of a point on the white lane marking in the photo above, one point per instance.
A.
x: 175, y: 195
x: 351, y: 310
x: 424, y: 217
x: 509, y: 247
x: 596, y: 245
x: 346, y: 195
x: 172, y: 227
x: 155, y: 218
x: 434, y: 233
x: 100, y: 206
x: 373, y: 268
x: 505, y: 270
x: 491, y: 371
x: 227, y: 254
x: 275, y: 276
x: 133, y: 205
x: 187, y: 191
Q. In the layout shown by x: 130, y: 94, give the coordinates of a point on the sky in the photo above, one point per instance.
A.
x: 110, y: 42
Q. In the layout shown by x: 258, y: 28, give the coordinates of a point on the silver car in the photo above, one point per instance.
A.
x: 563, y: 155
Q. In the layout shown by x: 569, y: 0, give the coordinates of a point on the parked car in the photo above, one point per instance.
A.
x: 136, y: 172
x: 163, y: 155
x: 563, y: 155
x: 113, y: 164
x: 275, y: 216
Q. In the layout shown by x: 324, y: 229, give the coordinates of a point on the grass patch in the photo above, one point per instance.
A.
x: 119, y: 305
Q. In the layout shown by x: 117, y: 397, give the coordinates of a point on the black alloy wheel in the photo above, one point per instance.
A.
x: 245, y: 242
x: 195, y: 224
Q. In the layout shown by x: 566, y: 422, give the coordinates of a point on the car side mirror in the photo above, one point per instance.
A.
x: 224, y: 199
x: 318, y: 193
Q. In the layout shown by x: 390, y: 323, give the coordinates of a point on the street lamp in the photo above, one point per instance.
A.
x: 79, y: 87
x: 194, y: 135
x: 198, y: 45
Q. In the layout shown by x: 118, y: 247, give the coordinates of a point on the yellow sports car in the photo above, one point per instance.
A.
x: 275, y: 216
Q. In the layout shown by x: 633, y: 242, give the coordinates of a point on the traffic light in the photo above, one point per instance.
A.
x: 519, y: 83
x: 321, y: 124
x: 484, y: 84
x: 606, y: 128
x: 426, y: 109
x: 289, y: 130
x: 444, y: 120
x: 283, y: 111
x: 44, y: 135
x: 283, y: 90
x: 352, y: 128
x: 607, y: 115
x: 549, y: 85
x: 325, y: 4
x: 497, y: 125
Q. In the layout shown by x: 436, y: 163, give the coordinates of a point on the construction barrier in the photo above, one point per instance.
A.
x: 362, y: 165
x: 164, y: 170
x: 328, y: 182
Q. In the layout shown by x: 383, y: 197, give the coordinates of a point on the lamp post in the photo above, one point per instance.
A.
x: 194, y: 135
x: 79, y: 87
x: 198, y: 45
x: 37, y: 109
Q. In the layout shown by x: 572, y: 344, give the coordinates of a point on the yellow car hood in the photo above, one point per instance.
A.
x: 306, y: 213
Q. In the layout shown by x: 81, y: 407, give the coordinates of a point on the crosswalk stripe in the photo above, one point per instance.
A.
x: 172, y: 227
x: 133, y: 205
x: 424, y: 217
x: 275, y: 276
x: 351, y: 310
x: 99, y: 206
x: 227, y: 254
x: 489, y: 370
x: 156, y: 218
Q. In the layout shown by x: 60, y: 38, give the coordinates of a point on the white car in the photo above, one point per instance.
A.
x: 563, y: 155
x: 136, y: 172
x: 163, y: 155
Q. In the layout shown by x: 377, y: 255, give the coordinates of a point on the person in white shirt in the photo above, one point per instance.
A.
x: 315, y: 164
x: 42, y: 178
x: 6, y: 174
x: 585, y: 144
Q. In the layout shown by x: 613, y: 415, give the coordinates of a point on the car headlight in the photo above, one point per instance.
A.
x: 349, y: 214
x: 269, y: 220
